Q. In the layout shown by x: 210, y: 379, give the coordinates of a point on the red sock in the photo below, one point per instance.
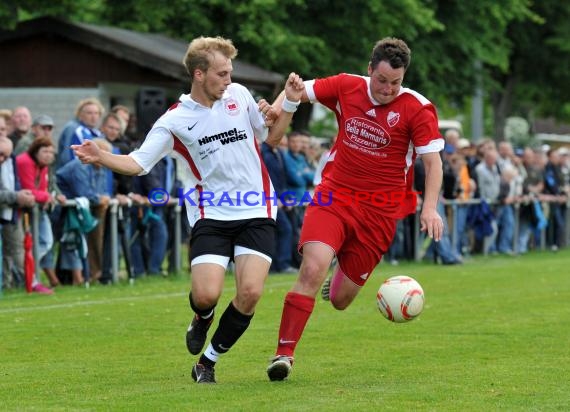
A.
x: 296, y: 312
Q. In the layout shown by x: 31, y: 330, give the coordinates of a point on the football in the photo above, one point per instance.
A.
x: 400, y: 299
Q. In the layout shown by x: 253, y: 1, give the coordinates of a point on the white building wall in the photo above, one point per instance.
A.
x: 57, y: 103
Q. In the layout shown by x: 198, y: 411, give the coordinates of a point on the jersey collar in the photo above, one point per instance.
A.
x: 187, y: 100
x: 372, y: 99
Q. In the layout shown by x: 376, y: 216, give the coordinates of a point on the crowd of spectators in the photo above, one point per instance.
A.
x: 73, y: 199
x: 487, y: 188
x: 501, y: 200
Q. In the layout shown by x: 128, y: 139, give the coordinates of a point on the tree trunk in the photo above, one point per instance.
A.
x: 502, y: 102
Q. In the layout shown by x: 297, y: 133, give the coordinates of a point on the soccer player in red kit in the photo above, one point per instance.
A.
x: 366, y: 186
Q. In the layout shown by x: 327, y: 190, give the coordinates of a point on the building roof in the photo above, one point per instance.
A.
x: 153, y: 51
x: 550, y: 126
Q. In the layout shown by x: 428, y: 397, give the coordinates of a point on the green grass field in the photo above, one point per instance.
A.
x: 494, y: 335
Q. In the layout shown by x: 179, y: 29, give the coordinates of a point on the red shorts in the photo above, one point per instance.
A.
x: 359, y: 236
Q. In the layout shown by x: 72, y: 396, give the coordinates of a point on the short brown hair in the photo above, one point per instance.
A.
x: 202, y: 48
x: 119, y: 107
x: 37, y: 144
x: 392, y: 50
x: 116, y: 117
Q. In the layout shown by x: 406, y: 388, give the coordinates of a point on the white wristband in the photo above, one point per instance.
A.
x: 289, y: 106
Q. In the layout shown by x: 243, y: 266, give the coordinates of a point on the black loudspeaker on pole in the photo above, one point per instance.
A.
x: 151, y: 104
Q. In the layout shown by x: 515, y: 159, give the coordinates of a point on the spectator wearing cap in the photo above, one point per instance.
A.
x: 463, y: 143
x: 563, y: 151
x: 42, y: 126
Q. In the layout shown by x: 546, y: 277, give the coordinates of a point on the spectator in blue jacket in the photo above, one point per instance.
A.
x: 78, y: 180
x: 554, y: 186
x: 87, y: 117
x: 299, y: 174
x: 273, y: 159
x: 300, y: 178
x: 148, y: 250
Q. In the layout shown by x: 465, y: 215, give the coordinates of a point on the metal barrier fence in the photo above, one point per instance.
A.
x: 455, y: 204
x: 114, y: 210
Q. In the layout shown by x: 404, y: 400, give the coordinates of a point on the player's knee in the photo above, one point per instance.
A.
x: 313, y: 268
x: 249, y: 295
x: 339, y: 304
x: 312, y: 273
x: 205, y: 298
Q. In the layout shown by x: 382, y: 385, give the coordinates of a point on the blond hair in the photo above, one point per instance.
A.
x: 6, y: 114
x: 86, y: 102
x: 201, y: 50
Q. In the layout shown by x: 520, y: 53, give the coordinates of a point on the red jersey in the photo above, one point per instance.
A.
x: 377, y: 143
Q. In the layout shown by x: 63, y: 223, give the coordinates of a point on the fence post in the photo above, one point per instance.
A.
x: 516, y: 228
x: 1, y: 259
x: 543, y: 231
x: 454, y: 234
x: 177, y: 238
x: 114, y: 240
x: 567, y: 223
x: 36, y: 239
x: 417, y: 240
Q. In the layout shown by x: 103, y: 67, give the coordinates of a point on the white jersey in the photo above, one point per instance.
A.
x: 218, y: 145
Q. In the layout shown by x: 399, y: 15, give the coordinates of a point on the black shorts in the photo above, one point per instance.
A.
x: 219, y: 237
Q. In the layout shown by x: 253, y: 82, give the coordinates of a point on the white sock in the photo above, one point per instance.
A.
x: 211, y: 354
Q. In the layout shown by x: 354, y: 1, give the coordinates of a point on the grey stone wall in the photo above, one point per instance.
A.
x: 57, y: 103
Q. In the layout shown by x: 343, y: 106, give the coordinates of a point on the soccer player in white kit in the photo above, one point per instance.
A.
x: 213, y: 131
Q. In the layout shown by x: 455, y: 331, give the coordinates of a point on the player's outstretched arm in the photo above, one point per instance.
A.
x: 286, y: 107
x: 89, y: 152
x: 430, y: 221
x: 278, y: 103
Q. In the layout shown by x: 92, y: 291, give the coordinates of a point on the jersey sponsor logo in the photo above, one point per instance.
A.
x: 231, y: 107
x: 191, y: 127
x: 393, y: 118
x: 366, y: 133
x: 371, y: 113
x: 229, y: 136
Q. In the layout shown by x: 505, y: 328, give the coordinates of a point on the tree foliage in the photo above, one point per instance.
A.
x: 541, y: 63
x: 517, y: 50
